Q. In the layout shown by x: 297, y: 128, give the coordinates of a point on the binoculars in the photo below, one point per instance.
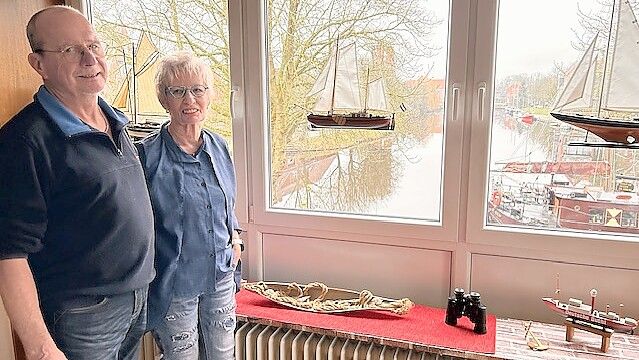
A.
x: 468, y: 305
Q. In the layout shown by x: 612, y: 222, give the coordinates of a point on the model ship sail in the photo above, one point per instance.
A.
x: 137, y: 95
x: 338, y: 86
x: 577, y: 94
x: 376, y: 97
x: 619, y: 85
x: 338, y: 94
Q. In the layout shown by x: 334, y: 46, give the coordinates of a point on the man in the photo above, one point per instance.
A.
x: 76, y: 226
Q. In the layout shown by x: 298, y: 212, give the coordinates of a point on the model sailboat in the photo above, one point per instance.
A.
x: 136, y: 96
x: 338, y: 104
x: 619, y: 86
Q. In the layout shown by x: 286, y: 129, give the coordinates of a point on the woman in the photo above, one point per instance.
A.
x: 192, y: 186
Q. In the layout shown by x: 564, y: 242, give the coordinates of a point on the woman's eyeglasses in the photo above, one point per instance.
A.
x: 179, y: 92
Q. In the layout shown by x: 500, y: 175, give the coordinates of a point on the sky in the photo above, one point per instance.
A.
x: 532, y: 35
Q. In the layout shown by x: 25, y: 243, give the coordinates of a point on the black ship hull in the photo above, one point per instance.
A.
x: 611, y: 130
x: 351, y: 121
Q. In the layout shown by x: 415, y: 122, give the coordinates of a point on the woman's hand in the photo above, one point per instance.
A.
x: 237, y: 248
x: 237, y: 254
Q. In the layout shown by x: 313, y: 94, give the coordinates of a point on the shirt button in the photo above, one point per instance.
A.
x: 203, y: 183
x: 211, y: 255
x: 210, y: 231
x: 208, y: 206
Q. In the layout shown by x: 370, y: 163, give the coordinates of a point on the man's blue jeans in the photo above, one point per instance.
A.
x: 200, y: 327
x: 98, y: 327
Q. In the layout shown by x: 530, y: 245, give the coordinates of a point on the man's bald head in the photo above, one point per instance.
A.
x: 35, y: 40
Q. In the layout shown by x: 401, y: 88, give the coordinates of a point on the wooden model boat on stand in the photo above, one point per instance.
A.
x: 577, y: 310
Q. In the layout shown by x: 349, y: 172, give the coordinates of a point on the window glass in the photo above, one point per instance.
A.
x: 138, y: 33
x: 554, y: 66
x: 629, y: 219
x: 391, y: 63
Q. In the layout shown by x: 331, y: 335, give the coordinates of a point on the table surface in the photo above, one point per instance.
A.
x: 511, y: 343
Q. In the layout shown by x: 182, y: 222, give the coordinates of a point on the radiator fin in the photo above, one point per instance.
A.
x: 260, y: 342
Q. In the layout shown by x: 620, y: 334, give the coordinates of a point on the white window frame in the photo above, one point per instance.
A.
x: 597, y: 249
x: 389, y: 229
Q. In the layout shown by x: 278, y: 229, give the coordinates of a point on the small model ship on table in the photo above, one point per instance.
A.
x: 577, y: 310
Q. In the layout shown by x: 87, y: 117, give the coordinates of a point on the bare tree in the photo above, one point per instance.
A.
x: 396, y: 35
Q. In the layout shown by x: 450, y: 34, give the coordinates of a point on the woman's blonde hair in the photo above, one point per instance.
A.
x: 176, y: 65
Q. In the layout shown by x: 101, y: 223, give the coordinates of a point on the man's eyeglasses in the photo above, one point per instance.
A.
x: 75, y: 52
x: 179, y: 92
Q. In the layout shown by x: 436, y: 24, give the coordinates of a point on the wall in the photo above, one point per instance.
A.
x: 6, y: 346
x: 19, y: 83
x: 511, y: 281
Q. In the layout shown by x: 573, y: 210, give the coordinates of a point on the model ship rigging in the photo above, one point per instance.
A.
x: 619, y: 86
x: 338, y: 104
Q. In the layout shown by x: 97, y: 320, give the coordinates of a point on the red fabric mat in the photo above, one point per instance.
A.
x: 422, y: 325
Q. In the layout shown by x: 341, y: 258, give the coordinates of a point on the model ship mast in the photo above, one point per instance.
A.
x: 334, y: 77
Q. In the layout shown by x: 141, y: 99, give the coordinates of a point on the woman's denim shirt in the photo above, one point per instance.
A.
x: 193, y: 199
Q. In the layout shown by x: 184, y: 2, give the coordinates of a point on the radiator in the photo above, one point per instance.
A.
x: 262, y: 342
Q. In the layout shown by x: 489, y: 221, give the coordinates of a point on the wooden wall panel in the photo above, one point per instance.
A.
x: 19, y: 83
x: 19, y: 80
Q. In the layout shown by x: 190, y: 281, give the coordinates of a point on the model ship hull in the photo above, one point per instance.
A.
x: 317, y: 297
x: 498, y: 216
x: 611, y: 214
x: 623, y: 324
x: 351, y: 121
x: 141, y: 130
x: 616, y: 131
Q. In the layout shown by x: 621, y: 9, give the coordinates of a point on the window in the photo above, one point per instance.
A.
x: 139, y: 33
x: 415, y: 174
x: 596, y: 216
x: 399, y: 44
x: 629, y: 219
x: 562, y: 69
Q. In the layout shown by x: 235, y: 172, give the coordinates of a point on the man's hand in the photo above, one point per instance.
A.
x: 46, y: 352
x: 20, y: 298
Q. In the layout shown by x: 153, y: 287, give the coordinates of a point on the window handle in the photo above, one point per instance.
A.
x: 234, y: 90
x: 481, y: 99
x: 456, y: 94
